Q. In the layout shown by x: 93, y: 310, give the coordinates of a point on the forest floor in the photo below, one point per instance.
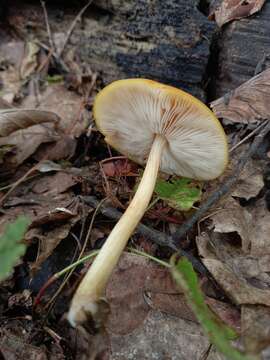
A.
x: 57, y: 170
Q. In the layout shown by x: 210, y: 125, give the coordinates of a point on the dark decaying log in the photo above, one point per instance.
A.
x: 162, y: 40
x: 244, y: 47
x: 167, y: 41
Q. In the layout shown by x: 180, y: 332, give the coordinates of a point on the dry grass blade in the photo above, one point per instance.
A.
x: 15, y: 119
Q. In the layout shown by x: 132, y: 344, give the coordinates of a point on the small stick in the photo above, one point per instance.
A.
x: 72, y: 27
x: 43, y: 4
x: 225, y: 187
x: 154, y: 235
x: 247, y: 137
x: 19, y: 181
x: 54, y: 54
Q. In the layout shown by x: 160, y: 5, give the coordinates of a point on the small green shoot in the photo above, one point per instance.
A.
x: 54, y: 79
x: 220, y: 335
x: 11, y: 248
x: 181, y: 194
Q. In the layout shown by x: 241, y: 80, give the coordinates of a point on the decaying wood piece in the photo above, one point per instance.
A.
x: 166, y: 41
x: 244, y: 49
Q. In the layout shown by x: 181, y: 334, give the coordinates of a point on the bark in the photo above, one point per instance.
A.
x: 161, y: 40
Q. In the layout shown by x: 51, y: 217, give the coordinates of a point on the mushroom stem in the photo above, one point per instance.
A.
x: 92, y: 288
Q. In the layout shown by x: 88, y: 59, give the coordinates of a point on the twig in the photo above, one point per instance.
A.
x: 70, y: 30
x: 19, y: 181
x: 224, y: 188
x: 247, y: 137
x: 55, y: 55
x: 48, y: 25
x: 154, y: 235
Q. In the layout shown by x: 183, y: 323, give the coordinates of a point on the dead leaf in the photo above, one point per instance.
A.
x: 236, y: 9
x: 11, y: 84
x: 12, y: 120
x: 238, y: 274
x: 25, y: 142
x: 30, y: 60
x: 53, y: 210
x: 63, y: 149
x: 66, y: 104
x: 22, y: 132
x: 11, y: 54
x: 146, y: 320
x: 48, y: 240
x: 151, y: 319
x: 238, y: 289
x: 260, y: 229
x: 122, y: 167
x: 247, y: 104
x: 160, y: 336
x: 15, y: 348
x: 234, y: 218
x: 256, y: 327
x: 20, y: 299
x: 250, y: 181
x: 252, y: 223
x: 152, y: 288
x: 55, y: 184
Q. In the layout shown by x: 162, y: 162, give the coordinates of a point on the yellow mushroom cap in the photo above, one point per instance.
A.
x: 131, y: 112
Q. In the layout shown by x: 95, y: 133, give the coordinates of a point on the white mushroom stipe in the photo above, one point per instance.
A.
x: 170, y: 130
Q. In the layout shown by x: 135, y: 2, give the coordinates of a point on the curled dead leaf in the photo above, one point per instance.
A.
x: 18, y: 119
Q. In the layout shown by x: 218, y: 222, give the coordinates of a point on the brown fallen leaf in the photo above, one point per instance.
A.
x: 55, y: 184
x: 30, y: 60
x: 121, y: 167
x: 239, y: 274
x: 12, y: 120
x: 234, y: 218
x: 50, y: 205
x: 21, y: 133
x: 250, y: 181
x: 236, y: 9
x: 20, y: 299
x: 256, y: 327
x: 247, y: 104
x: 16, y: 348
x: 141, y: 325
x: 25, y: 142
x: 48, y: 240
x: 11, y: 54
x: 237, y: 288
x: 260, y: 230
x: 66, y: 104
x: 160, y: 336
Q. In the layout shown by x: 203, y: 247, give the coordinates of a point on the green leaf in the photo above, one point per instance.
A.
x: 219, y: 334
x: 11, y: 248
x: 180, y: 194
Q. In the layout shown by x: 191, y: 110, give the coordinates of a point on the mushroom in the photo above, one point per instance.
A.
x: 169, y: 130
